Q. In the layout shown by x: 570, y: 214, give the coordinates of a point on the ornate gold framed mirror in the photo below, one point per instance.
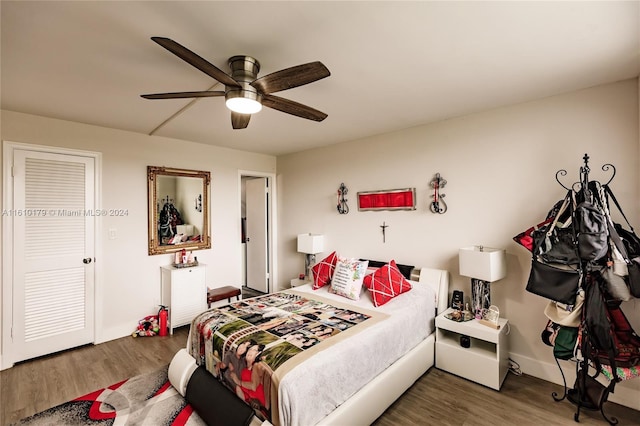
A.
x: 178, y: 209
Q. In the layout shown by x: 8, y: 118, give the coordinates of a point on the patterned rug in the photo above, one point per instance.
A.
x: 147, y: 399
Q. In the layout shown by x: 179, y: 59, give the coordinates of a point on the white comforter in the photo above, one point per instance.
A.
x: 316, y: 387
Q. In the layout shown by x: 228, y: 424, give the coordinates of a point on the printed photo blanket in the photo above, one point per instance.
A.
x: 250, y: 345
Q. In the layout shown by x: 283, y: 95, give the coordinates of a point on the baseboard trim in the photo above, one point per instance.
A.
x: 3, y: 366
x: 626, y: 393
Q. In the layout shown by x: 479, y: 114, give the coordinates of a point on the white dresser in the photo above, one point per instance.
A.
x: 184, y: 292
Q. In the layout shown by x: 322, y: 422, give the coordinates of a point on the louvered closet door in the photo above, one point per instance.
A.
x: 54, y: 221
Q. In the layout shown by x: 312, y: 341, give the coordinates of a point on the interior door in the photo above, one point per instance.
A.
x: 256, y: 200
x: 53, y: 250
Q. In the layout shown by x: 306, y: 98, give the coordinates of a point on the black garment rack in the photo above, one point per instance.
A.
x: 578, y: 396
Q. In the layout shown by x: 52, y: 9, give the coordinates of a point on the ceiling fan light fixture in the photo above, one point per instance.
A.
x: 244, y: 91
x: 243, y: 101
x: 243, y: 105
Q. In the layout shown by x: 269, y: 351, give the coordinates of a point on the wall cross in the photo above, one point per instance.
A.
x: 384, y: 227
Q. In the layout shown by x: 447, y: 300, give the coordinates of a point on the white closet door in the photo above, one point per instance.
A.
x: 53, y: 230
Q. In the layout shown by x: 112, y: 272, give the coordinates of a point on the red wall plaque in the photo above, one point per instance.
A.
x: 393, y: 199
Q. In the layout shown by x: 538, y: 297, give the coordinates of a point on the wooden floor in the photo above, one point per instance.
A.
x: 437, y: 398
x: 440, y: 398
x: 33, y: 386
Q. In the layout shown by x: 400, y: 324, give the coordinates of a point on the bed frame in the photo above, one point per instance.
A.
x: 366, y: 405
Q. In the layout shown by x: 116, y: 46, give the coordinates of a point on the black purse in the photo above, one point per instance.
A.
x: 628, y: 243
x: 591, y: 223
x: 588, y: 392
x: 555, y: 242
x: 556, y: 245
x: 554, y: 283
x: 555, y: 264
x: 634, y: 276
x: 629, y: 238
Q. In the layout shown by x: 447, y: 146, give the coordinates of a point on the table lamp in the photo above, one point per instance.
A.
x: 483, y: 265
x: 310, y: 244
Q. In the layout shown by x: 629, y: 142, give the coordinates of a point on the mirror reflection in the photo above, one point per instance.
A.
x: 178, y: 210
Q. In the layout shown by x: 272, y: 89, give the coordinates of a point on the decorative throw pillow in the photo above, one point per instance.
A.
x: 323, y: 271
x: 347, y: 278
x: 386, y: 283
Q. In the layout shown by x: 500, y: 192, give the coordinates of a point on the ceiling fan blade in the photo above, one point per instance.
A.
x: 291, y: 77
x: 179, y: 95
x: 291, y: 107
x: 197, y: 61
x: 240, y: 121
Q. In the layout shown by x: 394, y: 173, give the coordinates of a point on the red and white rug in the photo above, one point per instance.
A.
x: 148, y: 399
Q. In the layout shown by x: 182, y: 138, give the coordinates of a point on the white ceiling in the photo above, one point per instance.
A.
x: 393, y: 64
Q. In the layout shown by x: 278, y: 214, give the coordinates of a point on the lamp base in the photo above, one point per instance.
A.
x: 309, y: 261
x: 480, y: 296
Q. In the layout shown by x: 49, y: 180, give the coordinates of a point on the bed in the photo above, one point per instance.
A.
x: 316, y: 391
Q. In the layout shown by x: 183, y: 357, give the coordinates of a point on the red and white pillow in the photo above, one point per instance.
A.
x: 348, y: 277
x: 323, y: 271
x: 386, y: 283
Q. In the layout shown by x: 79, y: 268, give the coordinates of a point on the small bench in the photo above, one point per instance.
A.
x: 226, y: 292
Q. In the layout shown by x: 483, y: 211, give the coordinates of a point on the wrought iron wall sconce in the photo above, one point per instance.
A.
x: 342, y: 206
x: 199, y: 203
x: 438, y: 205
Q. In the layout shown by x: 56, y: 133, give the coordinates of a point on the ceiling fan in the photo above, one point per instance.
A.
x: 244, y: 93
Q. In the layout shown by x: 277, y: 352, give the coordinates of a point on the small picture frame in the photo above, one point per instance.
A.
x: 490, y: 317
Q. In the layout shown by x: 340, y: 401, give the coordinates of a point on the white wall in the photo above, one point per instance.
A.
x: 128, y: 278
x: 500, y: 168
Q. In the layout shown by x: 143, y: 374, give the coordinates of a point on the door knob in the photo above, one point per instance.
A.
x: 86, y: 260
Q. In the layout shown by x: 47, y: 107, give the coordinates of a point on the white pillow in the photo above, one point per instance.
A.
x: 347, y: 277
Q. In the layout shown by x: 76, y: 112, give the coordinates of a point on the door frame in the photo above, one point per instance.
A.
x: 6, y: 308
x: 272, y: 221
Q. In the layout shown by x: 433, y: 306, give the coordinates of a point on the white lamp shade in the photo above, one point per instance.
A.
x: 483, y: 263
x: 310, y: 243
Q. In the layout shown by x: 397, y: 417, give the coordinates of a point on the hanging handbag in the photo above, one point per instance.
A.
x: 615, y: 285
x: 554, y: 283
x: 591, y: 226
x: 555, y: 273
x: 525, y: 238
x: 564, y: 345
x: 632, y: 244
x: 566, y: 315
x: 592, y: 393
x: 555, y: 243
x: 629, y: 238
x: 618, y: 262
x: 613, y: 271
x: 634, y: 276
x: 633, y: 265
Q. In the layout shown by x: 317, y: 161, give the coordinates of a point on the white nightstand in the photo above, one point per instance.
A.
x: 485, y: 361
x: 297, y: 282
